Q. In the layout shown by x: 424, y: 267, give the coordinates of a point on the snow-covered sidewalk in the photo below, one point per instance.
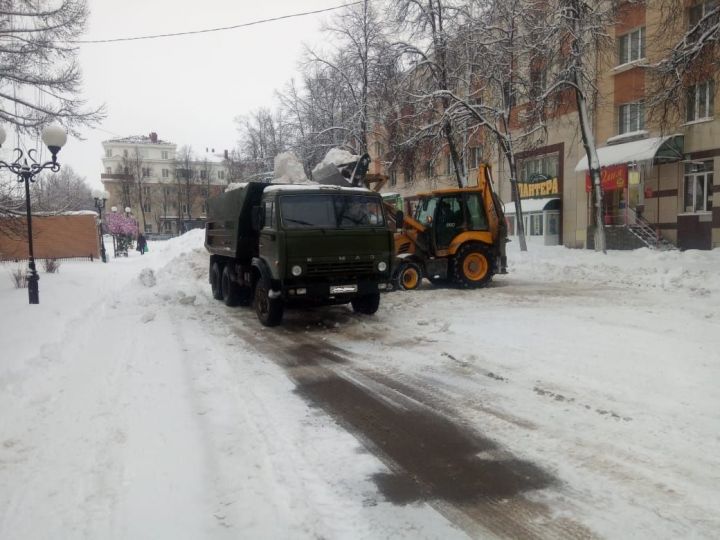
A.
x: 135, y: 406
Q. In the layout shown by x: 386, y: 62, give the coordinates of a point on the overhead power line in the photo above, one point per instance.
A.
x: 219, y: 29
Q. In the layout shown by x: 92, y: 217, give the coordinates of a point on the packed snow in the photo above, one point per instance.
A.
x: 336, y: 157
x: 288, y: 169
x: 136, y: 406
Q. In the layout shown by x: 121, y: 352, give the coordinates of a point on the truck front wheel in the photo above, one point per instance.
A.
x: 215, y: 281
x: 230, y: 289
x: 269, y: 310
x: 367, y: 304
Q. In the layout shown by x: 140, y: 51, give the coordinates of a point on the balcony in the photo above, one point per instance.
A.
x: 116, y: 176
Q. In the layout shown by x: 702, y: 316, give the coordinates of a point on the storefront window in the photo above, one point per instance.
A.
x: 698, y: 187
x: 545, y: 165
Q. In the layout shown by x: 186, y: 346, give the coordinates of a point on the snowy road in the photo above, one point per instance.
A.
x: 576, y: 398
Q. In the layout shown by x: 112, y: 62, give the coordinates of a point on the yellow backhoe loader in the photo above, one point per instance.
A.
x: 455, y: 236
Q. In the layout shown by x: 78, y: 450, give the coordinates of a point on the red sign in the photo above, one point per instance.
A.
x: 611, y: 178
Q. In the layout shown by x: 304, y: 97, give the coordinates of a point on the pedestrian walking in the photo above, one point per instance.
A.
x: 141, y: 244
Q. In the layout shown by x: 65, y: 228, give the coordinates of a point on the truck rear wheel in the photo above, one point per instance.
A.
x: 473, y: 266
x: 215, y: 281
x: 269, y: 310
x: 367, y: 304
x: 230, y: 289
x: 408, y: 276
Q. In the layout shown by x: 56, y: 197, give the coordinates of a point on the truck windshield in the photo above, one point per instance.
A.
x: 330, y: 211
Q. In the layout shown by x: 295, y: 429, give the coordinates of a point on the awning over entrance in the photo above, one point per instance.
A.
x: 657, y: 149
x: 534, y: 205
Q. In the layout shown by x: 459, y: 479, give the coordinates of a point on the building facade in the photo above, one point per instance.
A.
x: 658, y: 175
x: 165, y: 188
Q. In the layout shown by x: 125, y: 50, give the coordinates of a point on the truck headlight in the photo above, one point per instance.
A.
x: 382, y: 266
x: 296, y: 270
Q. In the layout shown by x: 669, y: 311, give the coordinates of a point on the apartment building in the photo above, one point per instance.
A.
x: 166, y: 191
x: 657, y: 177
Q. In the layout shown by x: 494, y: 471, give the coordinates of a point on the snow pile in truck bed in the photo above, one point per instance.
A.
x: 289, y: 170
x: 335, y: 156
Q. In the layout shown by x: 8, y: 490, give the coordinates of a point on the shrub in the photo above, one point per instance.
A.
x: 51, y: 266
x: 19, y: 277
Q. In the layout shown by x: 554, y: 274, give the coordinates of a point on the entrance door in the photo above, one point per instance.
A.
x: 552, y: 227
x: 449, y: 221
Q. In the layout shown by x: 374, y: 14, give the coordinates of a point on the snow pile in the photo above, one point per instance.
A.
x: 289, y: 170
x: 692, y: 271
x: 235, y: 185
x: 336, y: 157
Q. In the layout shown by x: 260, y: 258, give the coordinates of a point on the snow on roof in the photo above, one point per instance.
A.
x: 137, y: 139
x: 235, y: 185
x: 530, y: 205
x: 314, y: 187
x: 615, y: 154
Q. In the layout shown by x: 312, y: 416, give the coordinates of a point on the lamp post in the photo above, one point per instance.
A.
x: 54, y: 138
x: 100, y: 205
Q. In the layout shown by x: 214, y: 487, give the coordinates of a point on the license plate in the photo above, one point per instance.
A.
x: 343, y: 289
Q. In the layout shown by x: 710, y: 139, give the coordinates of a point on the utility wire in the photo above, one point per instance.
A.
x: 219, y: 29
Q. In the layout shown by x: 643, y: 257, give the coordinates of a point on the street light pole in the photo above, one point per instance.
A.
x: 55, y: 138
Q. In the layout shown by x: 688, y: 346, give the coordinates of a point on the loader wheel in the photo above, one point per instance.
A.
x: 269, y: 310
x: 473, y: 266
x: 367, y: 305
x: 408, y: 276
x: 215, y: 281
x: 230, y: 289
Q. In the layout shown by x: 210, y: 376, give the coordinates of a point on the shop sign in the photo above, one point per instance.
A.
x: 540, y: 187
x: 611, y: 178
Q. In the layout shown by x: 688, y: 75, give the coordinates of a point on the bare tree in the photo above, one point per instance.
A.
x: 136, y: 171
x: 39, y: 74
x: 694, y: 59
x: 185, y: 176
x: 262, y: 137
x: 60, y: 192
x: 432, y: 70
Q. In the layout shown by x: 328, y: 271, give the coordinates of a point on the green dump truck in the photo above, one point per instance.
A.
x: 275, y: 245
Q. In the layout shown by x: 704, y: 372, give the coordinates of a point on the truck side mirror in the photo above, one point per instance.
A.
x: 399, y: 219
x: 258, y: 218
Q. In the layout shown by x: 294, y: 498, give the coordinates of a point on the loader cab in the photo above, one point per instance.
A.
x: 449, y: 214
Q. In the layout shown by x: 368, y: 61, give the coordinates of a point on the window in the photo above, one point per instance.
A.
x: 631, y: 46
x: 146, y: 191
x: 330, y: 211
x: 146, y: 206
x: 536, y: 224
x: 425, y: 211
x: 108, y: 170
x: 701, y: 101
x: 164, y: 154
x: 476, y: 213
x: 146, y: 172
x: 631, y: 117
x: 429, y: 170
x: 269, y: 224
x: 167, y: 226
x: 166, y: 173
x: 108, y: 153
x: 184, y: 208
x: 545, y: 165
x: 125, y: 170
x: 148, y: 227
x: 221, y: 175
x: 700, y: 10
x: 474, y: 157
x: 125, y: 153
x: 408, y: 176
x: 538, y: 81
x: 126, y: 189
x: 449, y: 168
x: 698, y: 187
x: 393, y: 178
x: 379, y: 151
x: 203, y: 175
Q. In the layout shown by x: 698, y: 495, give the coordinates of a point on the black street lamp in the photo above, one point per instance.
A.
x: 100, y: 205
x: 55, y: 138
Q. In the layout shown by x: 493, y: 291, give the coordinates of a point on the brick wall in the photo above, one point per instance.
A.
x: 54, y: 237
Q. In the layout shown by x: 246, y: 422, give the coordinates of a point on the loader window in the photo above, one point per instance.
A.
x: 476, y: 213
x: 449, y: 221
x: 425, y: 211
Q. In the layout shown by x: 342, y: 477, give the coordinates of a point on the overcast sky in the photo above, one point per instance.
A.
x: 188, y: 89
